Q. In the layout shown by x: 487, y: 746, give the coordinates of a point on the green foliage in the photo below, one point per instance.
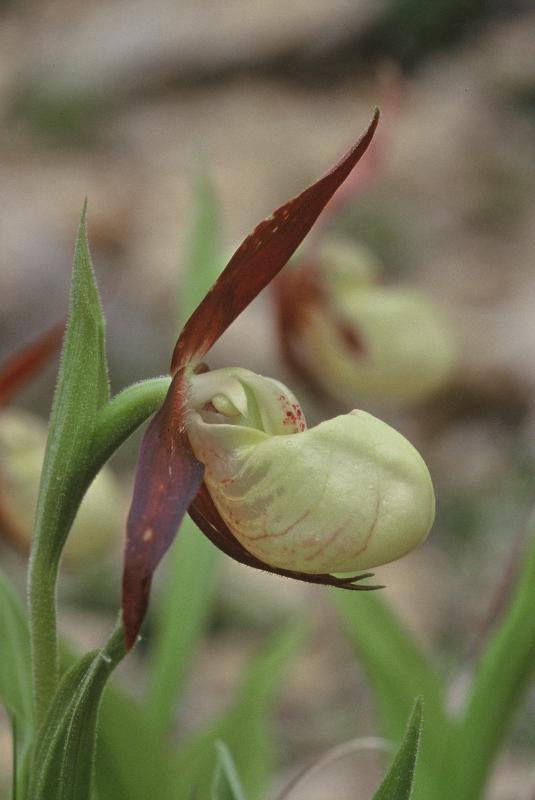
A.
x: 180, y: 620
x: 64, y: 756
x: 226, y: 783
x: 457, y: 755
x: 15, y: 678
x: 244, y: 727
x: 81, y: 390
x: 184, y: 605
x: 504, y: 673
x: 398, y: 782
x: 203, y: 262
x: 132, y: 756
x: 399, y: 671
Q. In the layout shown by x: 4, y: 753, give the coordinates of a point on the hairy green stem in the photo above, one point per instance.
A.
x: 115, y: 422
x: 42, y: 583
x: 125, y: 412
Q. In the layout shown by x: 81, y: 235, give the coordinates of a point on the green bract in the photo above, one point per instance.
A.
x: 349, y: 494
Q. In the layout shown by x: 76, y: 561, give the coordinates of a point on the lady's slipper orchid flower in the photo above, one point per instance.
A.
x: 232, y: 449
x: 351, y: 336
x: 348, y: 494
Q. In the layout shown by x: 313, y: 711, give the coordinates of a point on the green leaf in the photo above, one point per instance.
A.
x: 504, y: 674
x: 132, y: 758
x: 398, y: 782
x: 64, y: 755
x: 15, y: 676
x: 399, y: 671
x: 180, y: 619
x: 245, y: 727
x: 203, y: 261
x: 82, y: 389
x: 226, y: 783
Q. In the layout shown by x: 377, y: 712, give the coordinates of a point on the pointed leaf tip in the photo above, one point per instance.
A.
x: 260, y: 257
x: 167, y: 479
x: 399, y: 780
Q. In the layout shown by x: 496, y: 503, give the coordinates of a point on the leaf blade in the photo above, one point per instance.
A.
x: 399, y: 671
x: 244, y: 727
x: 82, y: 389
x: 64, y: 756
x: 226, y: 782
x: 188, y: 597
x: 15, y: 676
x: 503, y: 675
x: 203, y: 263
x: 398, y: 782
x: 132, y: 758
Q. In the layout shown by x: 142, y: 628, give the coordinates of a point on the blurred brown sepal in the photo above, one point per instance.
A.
x: 297, y: 292
x: 22, y: 365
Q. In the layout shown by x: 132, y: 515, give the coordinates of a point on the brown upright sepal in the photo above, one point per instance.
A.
x: 260, y: 257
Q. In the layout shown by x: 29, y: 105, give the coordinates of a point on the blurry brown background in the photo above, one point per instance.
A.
x: 120, y: 100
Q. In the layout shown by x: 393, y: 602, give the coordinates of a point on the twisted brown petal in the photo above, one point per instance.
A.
x: 167, y: 479
x: 260, y: 257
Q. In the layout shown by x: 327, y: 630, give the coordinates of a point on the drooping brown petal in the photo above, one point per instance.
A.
x: 168, y: 478
x: 206, y: 516
x: 19, y: 367
x: 260, y: 257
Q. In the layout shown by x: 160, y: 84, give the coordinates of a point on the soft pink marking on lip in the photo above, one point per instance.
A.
x: 337, y: 532
x: 333, y: 536
x: 281, y: 533
x: 372, y: 527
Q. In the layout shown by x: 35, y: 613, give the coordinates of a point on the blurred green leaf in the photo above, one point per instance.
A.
x: 63, y: 761
x: 399, y: 671
x: 203, y: 263
x: 15, y: 676
x: 132, y: 757
x: 180, y: 619
x: 245, y: 727
x: 502, y: 677
x: 399, y: 779
x: 226, y: 783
